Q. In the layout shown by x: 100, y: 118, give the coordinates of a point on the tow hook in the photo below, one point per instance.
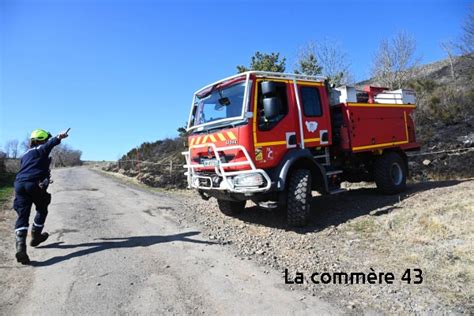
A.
x: 203, y: 195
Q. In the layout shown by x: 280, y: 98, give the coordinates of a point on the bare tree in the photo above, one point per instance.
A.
x: 394, y: 63
x: 2, y: 161
x: 11, y: 148
x: 25, y: 144
x: 307, y: 62
x: 448, y: 48
x: 326, y: 58
x: 7, y: 149
x: 334, y: 61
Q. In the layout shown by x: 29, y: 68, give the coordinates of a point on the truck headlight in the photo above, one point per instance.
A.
x: 248, y: 180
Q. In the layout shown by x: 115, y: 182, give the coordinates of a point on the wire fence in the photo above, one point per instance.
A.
x: 449, y: 152
x: 170, y: 167
x: 165, y: 173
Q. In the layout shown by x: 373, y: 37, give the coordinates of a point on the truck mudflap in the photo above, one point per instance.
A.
x: 229, y: 179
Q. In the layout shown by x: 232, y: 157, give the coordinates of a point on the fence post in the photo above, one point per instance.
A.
x: 171, y: 168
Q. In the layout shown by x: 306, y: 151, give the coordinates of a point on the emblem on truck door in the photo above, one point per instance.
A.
x: 311, y: 126
x: 258, y: 153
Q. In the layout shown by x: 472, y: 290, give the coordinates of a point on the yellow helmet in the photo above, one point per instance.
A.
x: 40, y: 135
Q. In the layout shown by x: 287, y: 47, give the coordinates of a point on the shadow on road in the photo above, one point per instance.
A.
x: 114, y: 243
x: 333, y: 210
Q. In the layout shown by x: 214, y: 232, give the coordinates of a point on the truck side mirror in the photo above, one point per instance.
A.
x: 268, y: 88
x: 272, y: 107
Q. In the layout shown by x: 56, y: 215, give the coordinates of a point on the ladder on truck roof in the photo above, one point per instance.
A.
x: 289, y: 76
x: 266, y: 74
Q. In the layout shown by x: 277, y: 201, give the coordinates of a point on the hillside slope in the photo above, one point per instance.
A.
x: 440, y: 73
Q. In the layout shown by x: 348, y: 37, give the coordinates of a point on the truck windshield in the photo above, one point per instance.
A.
x: 217, y: 104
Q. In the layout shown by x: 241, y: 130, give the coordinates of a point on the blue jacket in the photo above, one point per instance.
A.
x: 35, y: 162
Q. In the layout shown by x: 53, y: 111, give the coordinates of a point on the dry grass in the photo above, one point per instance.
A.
x: 435, y: 231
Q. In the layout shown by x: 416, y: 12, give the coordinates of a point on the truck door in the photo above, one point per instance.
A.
x: 275, y: 127
x: 315, y: 114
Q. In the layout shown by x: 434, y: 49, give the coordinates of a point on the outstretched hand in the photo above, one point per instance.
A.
x: 63, y: 134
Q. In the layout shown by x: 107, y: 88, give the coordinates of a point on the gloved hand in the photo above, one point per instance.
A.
x: 63, y: 134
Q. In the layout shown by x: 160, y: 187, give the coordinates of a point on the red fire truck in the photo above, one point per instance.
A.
x: 275, y: 137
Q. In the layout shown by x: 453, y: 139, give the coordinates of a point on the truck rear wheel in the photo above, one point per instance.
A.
x: 231, y: 208
x: 299, y: 197
x: 390, y: 173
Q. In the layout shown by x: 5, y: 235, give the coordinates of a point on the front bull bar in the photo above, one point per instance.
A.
x: 219, y: 169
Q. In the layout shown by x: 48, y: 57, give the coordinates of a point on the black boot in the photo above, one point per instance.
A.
x: 37, y: 237
x: 21, y: 255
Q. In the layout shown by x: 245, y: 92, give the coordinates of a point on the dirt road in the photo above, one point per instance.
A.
x: 118, y: 249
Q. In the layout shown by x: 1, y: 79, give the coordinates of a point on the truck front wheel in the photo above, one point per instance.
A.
x: 231, y: 208
x: 390, y: 173
x: 299, y: 197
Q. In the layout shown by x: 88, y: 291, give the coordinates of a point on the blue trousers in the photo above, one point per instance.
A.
x: 27, y: 194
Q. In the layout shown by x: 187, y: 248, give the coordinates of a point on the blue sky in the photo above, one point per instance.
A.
x: 123, y: 72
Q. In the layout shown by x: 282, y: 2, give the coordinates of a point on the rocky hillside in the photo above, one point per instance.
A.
x: 445, y: 119
x: 440, y: 72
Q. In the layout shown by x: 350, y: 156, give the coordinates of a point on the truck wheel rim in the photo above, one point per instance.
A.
x: 396, y: 174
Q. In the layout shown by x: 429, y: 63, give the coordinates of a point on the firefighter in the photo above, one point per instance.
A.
x: 31, y: 184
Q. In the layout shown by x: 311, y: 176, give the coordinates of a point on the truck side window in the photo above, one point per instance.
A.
x: 265, y: 124
x: 311, y: 101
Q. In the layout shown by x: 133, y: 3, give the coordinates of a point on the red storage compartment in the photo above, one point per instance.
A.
x: 378, y: 126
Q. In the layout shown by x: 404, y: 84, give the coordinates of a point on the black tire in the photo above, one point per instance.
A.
x: 390, y: 173
x: 299, y: 198
x: 231, y: 208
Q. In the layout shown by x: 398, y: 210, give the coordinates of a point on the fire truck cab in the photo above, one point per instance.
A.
x: 276, y: 137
